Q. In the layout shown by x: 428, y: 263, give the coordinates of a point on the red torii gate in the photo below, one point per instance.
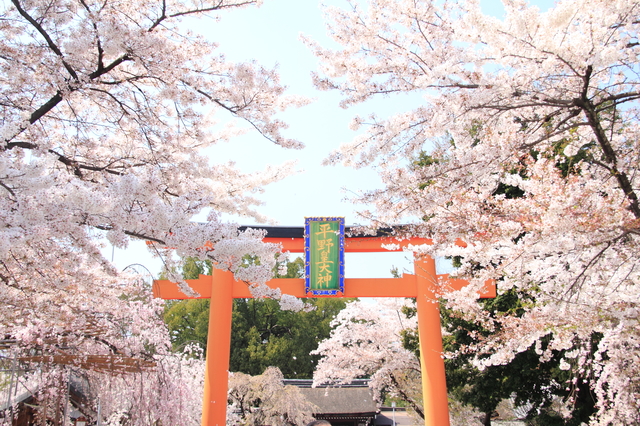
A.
x: 222, y: 288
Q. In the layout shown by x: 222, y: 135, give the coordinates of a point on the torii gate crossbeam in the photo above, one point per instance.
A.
x: 424, y: 284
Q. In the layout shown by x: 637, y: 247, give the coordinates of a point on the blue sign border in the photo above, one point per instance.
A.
x: 307, y: 265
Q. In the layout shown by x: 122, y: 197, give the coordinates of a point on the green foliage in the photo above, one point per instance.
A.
x: 262, y: 334
x: 570, y: 164
x: 509, y: 191
x: 188, y: 322
x: 193, y: 268
x: 425, y: 160
x: 295, y: 269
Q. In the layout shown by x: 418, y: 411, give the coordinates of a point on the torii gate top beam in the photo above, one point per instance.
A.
x: 292, y: 239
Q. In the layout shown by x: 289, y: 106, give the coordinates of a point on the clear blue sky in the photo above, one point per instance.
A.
x: 270, y: 36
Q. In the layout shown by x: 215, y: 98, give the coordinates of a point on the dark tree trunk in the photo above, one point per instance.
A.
x: 487, y: 419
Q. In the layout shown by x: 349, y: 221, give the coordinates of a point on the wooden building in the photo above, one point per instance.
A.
x: 347, y: 405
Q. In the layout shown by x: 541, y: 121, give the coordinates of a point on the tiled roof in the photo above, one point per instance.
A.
x: 346, y: 400
x: 308, y: 383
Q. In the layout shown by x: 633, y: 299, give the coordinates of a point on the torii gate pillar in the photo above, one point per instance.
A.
x: 424, y: 285
x: 216, y: 375
x: 434, y: 383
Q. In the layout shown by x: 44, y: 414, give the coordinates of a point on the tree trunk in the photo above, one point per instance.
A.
x: 487, y: 419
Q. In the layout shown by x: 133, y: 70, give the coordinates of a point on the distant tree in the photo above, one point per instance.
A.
x: 188, y: 322
x: 193, y: 267
x: 265, y: 400
x: 366, y: 342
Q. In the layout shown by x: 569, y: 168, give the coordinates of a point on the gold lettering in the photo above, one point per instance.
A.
x: 324, y: 244
x: 324, y: 280
x: 325, y: 228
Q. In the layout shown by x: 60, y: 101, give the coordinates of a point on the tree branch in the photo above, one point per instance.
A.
x: 13, y: 194
x: 219, y: 6
x: 132, y: 234
x: 57, y: 98
x: 46, y: 36
x: 585, y: 104
x: 98, y: 42
x: 418, y: 409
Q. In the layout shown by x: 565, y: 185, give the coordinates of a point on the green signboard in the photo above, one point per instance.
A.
x: 324, y: 255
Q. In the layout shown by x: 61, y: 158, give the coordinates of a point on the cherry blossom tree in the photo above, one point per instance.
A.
x: 107, y: 108
x: 525, y: 146
x: 366, y: 342
x: 111, y: 339
x: 265, y: 399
